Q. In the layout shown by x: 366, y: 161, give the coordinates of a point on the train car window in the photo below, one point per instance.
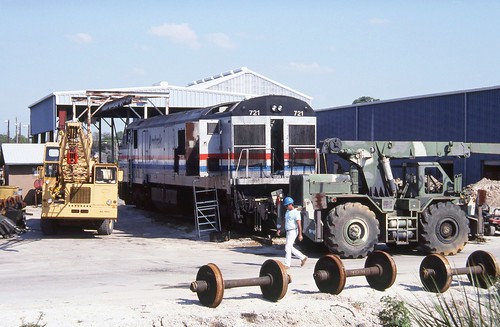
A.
x: 213, y: 128
x: 301, y: 134
x: 250, y: 135
x: 126, y: 137
x: 219, y: 109
x: 135, y: 139
x: 181, y: 142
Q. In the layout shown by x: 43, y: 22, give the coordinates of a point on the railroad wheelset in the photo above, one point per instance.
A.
x: 209, y: 285
x: 436, y: 273
x: 330, y: 274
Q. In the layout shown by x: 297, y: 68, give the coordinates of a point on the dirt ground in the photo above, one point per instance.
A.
x: 492, y: 188
x: 140, y: 276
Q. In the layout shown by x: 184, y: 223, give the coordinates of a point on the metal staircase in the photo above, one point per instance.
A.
x: 206, y: 210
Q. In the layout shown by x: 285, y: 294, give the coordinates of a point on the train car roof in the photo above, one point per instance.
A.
x: 269, y: 105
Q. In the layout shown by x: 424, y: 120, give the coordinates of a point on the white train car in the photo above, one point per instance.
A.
x: 245, y: 150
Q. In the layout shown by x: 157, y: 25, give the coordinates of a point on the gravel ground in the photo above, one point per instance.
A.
x: 140, y: 276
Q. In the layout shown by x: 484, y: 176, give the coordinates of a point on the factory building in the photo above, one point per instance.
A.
x: 48, y: 113
x: 461, y: 116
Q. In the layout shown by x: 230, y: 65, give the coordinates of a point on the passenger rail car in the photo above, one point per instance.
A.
x: 245, y: 150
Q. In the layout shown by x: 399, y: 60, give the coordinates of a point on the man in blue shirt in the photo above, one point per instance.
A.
x: 293, y: 228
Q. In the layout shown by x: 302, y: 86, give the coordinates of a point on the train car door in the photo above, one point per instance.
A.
x: 277, y: 145
x: 144, y: 154
x: 131, y: 148
x: 180, y: 152
x: 300, y: 144
x: 210, y: 147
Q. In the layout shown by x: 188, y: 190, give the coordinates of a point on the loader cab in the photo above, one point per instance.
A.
x: 425, y: 179
x: 105, y: 174
x: 51, y: 161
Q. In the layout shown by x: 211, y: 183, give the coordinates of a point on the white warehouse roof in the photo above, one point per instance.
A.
x: 244, y: 80
x: 22, y: 154
x: 234, y: 85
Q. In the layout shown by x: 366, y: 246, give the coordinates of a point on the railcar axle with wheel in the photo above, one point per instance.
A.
x: 436, y: 273
x: 209, y: 285
x: 330, y: 275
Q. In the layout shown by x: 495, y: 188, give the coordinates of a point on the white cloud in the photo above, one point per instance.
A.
x: 80, y: 38
x: 178, y: 33
x: 378, y: 21
x: 308, y: 68
x: 138, y: 71
x: 221, y: 40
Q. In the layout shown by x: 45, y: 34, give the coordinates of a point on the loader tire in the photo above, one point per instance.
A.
x: 352, y: 230
x: 106, y: 227
x: 444, y: 229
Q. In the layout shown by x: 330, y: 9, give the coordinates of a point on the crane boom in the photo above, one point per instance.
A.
x: 407, y: 149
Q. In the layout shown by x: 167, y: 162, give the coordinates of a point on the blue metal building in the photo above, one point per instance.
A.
x: 462, y: 116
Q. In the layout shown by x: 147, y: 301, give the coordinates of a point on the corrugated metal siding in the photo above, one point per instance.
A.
x: 483, y: 116
x: 181, y: 97
x: 246, y: 81
x: 189, y: 98
x: 426, y: 119
x: 249, y: 83
x: 470, y: 116
x: 336, y: 123
x: 42, y: 117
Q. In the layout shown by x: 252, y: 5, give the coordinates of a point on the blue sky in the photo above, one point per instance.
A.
x: 334, y: 51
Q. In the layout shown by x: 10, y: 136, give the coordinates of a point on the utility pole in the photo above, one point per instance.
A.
x: 27, y: 133
x: 17, y: 131
x: 8, y: 130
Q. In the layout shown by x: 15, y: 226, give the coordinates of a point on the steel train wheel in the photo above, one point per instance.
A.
x: 387, y: 265
x: 276, y: 270
x: 490, y: 268
x: 442, y: 278
x: 335, y: 283
x: 212, y: 297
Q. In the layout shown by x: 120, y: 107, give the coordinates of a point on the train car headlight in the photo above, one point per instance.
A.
x: 108, y: 202
x: 280, y: 108
x: 274, y: 108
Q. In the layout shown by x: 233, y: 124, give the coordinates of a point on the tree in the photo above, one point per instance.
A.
x: 364, y: 99
x: 21, y: 139
x: 3, y: 138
